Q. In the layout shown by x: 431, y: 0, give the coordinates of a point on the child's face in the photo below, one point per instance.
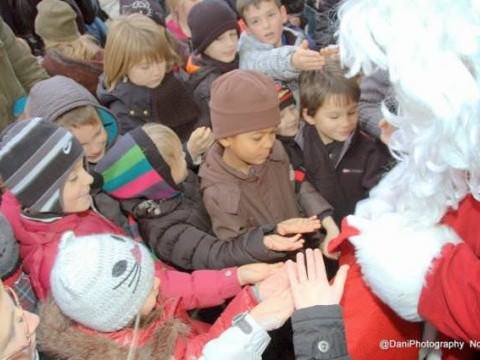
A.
x: 252, y: 148
x: 151, y: 301
x: 16, y: 328
x: 148, y: 74
x: 289, y: 120
x: 178, y: 166
x: 335, y: 119
x: 224, y: 48
x: 76, y: 191
x: 265, y: 22
x: 93, y: 138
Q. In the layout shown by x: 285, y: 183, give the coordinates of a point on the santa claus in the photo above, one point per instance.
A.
x: 416, y: 239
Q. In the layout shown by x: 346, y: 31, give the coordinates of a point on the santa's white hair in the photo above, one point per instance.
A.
x: 431, y: 49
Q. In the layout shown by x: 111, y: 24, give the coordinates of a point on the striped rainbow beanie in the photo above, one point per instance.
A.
x: 133, y: 168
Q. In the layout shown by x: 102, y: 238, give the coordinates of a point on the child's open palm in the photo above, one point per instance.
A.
x: 298, y: 226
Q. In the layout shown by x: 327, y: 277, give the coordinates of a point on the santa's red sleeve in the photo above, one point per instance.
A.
x: 450, y: 298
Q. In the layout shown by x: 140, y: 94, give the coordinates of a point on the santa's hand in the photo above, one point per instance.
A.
x: 395, y: 255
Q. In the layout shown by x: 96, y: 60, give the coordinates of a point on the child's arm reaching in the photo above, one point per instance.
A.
x: 282, y: 63
x: 207, y: 288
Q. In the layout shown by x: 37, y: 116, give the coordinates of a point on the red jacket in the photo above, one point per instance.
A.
x: 39, y: 239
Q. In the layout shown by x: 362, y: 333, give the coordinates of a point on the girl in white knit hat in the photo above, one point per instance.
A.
x: 109, y: 302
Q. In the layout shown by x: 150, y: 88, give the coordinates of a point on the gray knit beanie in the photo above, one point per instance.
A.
x: 101, y: 281
x: 9, y: 254
x: 36, y: 157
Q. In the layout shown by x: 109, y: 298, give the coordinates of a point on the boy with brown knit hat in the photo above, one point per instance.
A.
x: 246, y: 176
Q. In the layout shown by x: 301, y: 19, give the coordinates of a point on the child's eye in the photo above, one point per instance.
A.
x: 73, y: 178
x: 254, y: 22
x: 270, y: 15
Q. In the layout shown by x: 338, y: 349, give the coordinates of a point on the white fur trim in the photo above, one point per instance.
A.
x: 395, y: 256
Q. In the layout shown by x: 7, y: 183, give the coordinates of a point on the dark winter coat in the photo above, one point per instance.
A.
x: 319, y: 333
x: 361, y: 162
x: 171, y: 104
x: 181, y: 234
x: 206, y: 71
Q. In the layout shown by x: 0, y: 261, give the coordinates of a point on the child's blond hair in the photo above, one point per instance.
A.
x: 131, y: 40
x: 243, y: 5
x: 77, y: 117
x: 83, y: 48
x: 165, y: 140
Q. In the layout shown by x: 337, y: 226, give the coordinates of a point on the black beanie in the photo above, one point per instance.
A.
x: 208, y: 20
x: 36, y: 157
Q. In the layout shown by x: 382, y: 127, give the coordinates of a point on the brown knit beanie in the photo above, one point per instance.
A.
x: 56, y: 21
x: 208, y: 20
x: 242, y: 101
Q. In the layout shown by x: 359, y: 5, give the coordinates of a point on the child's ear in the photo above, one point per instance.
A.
x: 283, y: 14
x: 308, y: 118
x: 225, y: 142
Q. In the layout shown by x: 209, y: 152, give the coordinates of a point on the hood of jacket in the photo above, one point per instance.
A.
x: 62, y: 338
x: 39, y: 238
x: 53, y: 97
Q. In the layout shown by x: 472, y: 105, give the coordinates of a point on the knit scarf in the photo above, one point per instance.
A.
x: 134, y: 169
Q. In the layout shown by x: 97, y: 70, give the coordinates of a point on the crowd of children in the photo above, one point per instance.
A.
x: 173, y: 168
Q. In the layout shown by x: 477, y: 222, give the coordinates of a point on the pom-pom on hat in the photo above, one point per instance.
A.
x: 56, y: 21
x: 101, y: 281
x: 36, y: 157
x: 208, y: 20
x: 242, y: 101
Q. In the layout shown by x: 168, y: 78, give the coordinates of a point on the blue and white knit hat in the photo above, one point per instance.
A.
x: 36, y: 157
x: 101, y: 281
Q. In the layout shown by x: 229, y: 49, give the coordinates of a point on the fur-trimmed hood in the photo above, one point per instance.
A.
x: 61, y: 338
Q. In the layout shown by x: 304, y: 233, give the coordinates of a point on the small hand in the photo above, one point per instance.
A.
x: 273, y: 312
x: 276, y: 282
x: 310, y: 285
x: 298, y: 226
x: 254, y: 273
x: 283, y: 243
x: 200, y: 141
x: 305, y: 59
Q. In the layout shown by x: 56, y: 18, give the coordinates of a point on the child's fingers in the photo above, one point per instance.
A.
x: 320, y: 265
x: 311, y: 270
x: 301, y: 271
x: 292, y: 273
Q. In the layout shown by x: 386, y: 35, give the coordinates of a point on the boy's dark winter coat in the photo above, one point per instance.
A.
x: 359, y: 167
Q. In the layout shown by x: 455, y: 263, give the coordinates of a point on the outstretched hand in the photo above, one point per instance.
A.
x: 309, y: 283
x: 274, y: 311
x: 254, y: 273
x: 283, y: 243
x: 298, y: 226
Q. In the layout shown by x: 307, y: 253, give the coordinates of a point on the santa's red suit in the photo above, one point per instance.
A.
x: 430, y: 273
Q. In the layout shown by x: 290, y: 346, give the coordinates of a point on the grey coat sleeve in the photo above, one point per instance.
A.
x: 318, y: 333
x: 276, y: 62
x: 373, y: 90
x: 311, y: 202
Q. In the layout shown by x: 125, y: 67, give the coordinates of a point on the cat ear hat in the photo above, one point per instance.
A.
x: 101, y: 281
